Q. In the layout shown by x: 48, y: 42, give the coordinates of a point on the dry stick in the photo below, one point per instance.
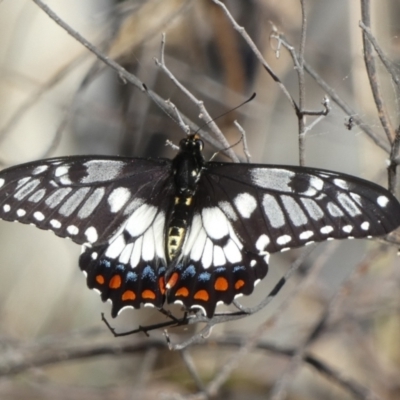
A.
x: 394, y: 162
x: 258, y: 54
x: 41, y: 355
x: 188, y: 361
x: 318, y: 329
x: 372, y: 75
x: 122, y: 72
x: 299, y: 64
x: 302, y: 89
x: 203, y: 111
x: 244, y: 139
x: 389, y: 65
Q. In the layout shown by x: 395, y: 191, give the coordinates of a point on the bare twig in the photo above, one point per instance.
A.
x: 244, y: 139
x: 389, y: 65
x: 302, y: 88
x: 203, y: 111
x: 372, y: 75
x: 122, y: 72
x: 257, y: 52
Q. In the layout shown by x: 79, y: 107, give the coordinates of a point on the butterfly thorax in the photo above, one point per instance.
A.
x: 187, y: 167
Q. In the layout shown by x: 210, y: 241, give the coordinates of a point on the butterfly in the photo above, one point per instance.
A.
x: 185, y: 230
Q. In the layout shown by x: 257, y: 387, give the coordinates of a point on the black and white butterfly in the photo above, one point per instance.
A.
x: 185, y: 230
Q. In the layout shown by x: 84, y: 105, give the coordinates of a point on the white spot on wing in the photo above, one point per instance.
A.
x: 207, y: 257
x: 197, y: 248
x: 118, y: 198
x: 73, y: 230
x: 126, y: 254
x: 262, y: 242
x: 102, y: 170
x: 57, y: 197
x: 365, y: 226
x: 228, y: 210
x: 140, y: 220
x: 382, y: 201
x: 273, y: 211
x: 306, y: 235
x: 219, y: 256
x: 283, y: 239
x: 55, y: 224
x: 215, y: 223
x: 341, y: 183
x: 334, y: 210
x: 73, y: 202
x: 37, y: 196
x: 295, y: 212
x: 38, y: 215
x: 312, y: 208
x: 115, y: 248
x: 158, y: 234
x: 41, y: 168
x: 26, y: 189
x: 91, y: 234
x: 326, y: 229
x: 22, y: 182
x: 91, y: 203
x: 21, y: 212
x: 6, y: 208
x: 347, y: 228
x: 136, y: 253
x: 232, y: 253
x: 192, y: 238
x: 1, y: 182
x: 272, y: 178
x: 246, y: 204
x: 348, y: 204
x: 148, y: 246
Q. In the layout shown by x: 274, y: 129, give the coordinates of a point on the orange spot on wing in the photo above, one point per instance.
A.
x: 239, y: 284
x: 148, y: 294
x: 100, y: 279
x: 115, y: 282
x: 202, y: 295
x: 172, y: 281
x: 128, y: 295
x: 221, y: 284
x: 182, y: 292
x: 161, y: 284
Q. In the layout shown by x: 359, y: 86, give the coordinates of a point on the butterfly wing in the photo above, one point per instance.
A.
x: 244, y: 212
x: 115, y: 207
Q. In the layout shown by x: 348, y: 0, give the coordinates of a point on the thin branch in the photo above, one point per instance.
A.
x: 257, y: 53
x: 302, y: 88
x: 389, y: 65
x: 123, y: 73
x: 357, y: 120
x: 372, y: 75
x: 203, y: 111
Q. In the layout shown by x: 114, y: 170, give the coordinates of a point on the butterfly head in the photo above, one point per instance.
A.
x: 191, y: 144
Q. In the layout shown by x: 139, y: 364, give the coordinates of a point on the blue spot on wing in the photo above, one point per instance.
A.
x: 204, y: 276
x: 131, y: 276
x: 189, y: 272
x: 148, y: 273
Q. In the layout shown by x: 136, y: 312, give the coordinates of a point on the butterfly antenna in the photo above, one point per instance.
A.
x: 227, y: 112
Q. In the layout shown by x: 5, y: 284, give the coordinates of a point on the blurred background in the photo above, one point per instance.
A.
x: 57, y: 99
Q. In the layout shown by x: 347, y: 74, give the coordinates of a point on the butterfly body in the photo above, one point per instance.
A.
x: 185, y: 230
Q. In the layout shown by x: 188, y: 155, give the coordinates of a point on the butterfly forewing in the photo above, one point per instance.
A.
x: 83, y: 198
x: 277, y: 207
